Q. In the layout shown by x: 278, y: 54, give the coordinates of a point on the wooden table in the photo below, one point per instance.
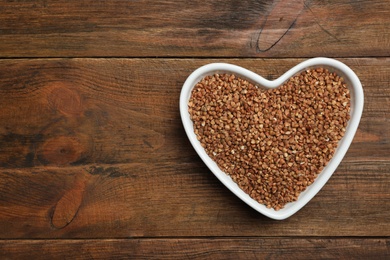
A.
x: 95, y: 162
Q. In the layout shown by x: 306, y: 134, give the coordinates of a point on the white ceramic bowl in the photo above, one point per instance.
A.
x: 357, y: 99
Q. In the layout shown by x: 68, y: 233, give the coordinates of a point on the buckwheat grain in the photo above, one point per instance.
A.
x: 272, y: 143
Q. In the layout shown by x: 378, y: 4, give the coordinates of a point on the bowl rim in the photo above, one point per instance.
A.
x: 357, y: 102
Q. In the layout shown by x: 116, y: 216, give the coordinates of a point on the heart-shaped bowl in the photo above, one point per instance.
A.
x: 357, y: 100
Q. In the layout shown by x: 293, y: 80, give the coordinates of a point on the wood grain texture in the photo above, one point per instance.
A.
x: 95, y: 163
x: 67, y: 112
x: 208, y: 248
x: 182, y: 199
x: 94, y: 148
x: 181, y: 29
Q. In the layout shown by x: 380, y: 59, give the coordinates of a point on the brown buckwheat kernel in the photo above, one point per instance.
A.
x: 272, y: 143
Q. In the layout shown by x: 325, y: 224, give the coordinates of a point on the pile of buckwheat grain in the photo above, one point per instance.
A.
x: 273, y: 143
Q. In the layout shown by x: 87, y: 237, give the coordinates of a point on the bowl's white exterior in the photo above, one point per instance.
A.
x: 357, y: 100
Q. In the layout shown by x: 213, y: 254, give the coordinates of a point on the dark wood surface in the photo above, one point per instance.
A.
x: 95, y: 163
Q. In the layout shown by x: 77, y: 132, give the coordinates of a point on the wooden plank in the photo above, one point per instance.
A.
x: 181, y: 199
x: 63, y: 112
x: 194, y: 29
x: 94, y: 148
x: 208, y: 248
